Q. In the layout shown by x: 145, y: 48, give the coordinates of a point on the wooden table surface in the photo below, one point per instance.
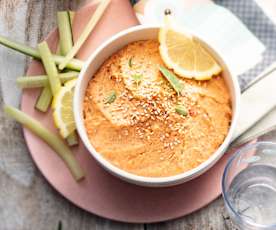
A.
x: 26, y: 199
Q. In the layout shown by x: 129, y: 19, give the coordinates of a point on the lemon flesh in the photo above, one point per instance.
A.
x: 63, y: 109
x: 185, y: 55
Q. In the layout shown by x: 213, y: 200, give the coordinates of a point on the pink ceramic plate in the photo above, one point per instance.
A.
x: 100, y: 193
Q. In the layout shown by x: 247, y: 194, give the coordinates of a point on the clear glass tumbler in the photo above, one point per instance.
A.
x: 249, y: 186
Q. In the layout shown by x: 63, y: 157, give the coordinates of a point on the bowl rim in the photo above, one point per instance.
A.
x: 142, y: 180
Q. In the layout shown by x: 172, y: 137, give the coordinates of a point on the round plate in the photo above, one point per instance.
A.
x: 100, y: 193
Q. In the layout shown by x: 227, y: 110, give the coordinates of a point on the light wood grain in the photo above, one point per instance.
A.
x: 212, y: 217
x: 27, y: 201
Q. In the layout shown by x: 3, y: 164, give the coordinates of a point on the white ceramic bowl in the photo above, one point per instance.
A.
x: 97, y: 58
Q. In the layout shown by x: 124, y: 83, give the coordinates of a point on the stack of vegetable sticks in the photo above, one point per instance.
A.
x: 52, y: 82
x: 52, y: 73
x: 66, y: 41
x: 84, y: 35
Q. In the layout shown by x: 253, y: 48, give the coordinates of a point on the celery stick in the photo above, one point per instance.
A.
x: 42, y: 80
x: 84, y: 35
x: 20, y: 47
x: 71, y: 16
x: 65, y: 33
x: 50, y: 67
x: 58, y: 49
x: 26, y: 82
x: 53, y: 140
x: 74, y: 64
x: 44, y: 100
x: 66, y: 42
x: 72, y: 139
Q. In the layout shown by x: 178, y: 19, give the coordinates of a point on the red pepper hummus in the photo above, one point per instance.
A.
x: 131, y: 118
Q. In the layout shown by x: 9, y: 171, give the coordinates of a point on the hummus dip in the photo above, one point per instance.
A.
x: 131, y: 119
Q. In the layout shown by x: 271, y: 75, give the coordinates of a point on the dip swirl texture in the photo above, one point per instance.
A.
x: 140, y: 130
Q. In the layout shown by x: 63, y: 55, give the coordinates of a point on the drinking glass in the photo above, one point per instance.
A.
x: 249, y: 186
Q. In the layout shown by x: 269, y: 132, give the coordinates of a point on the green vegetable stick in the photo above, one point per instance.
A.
x: 42, y: 80
x: 172, y: 79
x: 74, y: 64
x: 71, y: 16
x: 84, y: 35
x: 50, y: 138
x: 58, y: 49
x: 44, y: 99
x: 72, y: 139
x: 65, y: 33
x: 66, y: 42
x: 50, y: 67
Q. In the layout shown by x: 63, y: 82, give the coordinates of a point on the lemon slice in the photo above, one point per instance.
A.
x: 63, y: 109
x: 185, y: 55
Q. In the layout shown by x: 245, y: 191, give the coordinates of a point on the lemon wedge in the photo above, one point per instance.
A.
x: 185, y: 55
x: 63, y: 109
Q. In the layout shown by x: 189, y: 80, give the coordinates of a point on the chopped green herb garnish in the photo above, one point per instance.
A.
x: 111, y: 97
x: 130, y: 62
x: 172, y: 79
x: 137, y: 78
x: 180, y: 109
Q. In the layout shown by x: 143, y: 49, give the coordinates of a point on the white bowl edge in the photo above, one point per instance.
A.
x: 114, y: 44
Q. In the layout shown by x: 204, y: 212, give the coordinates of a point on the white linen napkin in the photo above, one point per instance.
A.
x: 218, y: 26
